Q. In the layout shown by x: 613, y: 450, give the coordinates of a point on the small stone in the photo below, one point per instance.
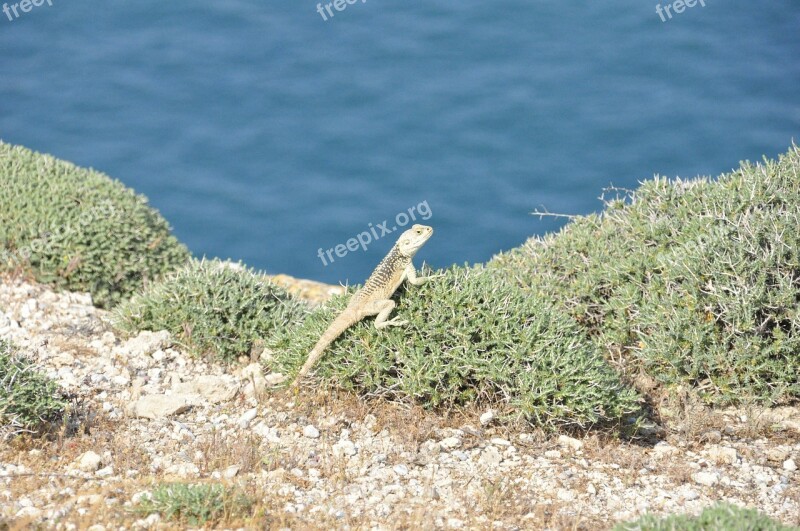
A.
x: 552, y: 454
x: 763, y: 478
x: 723, y: 455
x: 490, y: 457
x: 664, y: 449
x: 565, y: 495
x: 247, y: 417
x: 591, y: 489
x: 487, y: 418
x: 344, y: 448
x: 311, y: 432
x: 230, y: 472
x: 711, y: 436
x: 400, y: 470
x: 455, y: 523
x: 29, y: 512
x: 569, y: 442
x: 184, y: 470
x: 275, y: 378
x: 429, y: 448
x: 157, y: 406
x: 709, y: 479
x: 500, y: 442
x: 777, y: 455
x: 137, y: 497
x: 253, y: 380
x: 146, y: 343
x: 450, y: 443
x: 121, y: 381
x: 105, y: 472
x: 790, y: 465
x: 89, y: 461
x: 214, y: 389
x: 691, y: 495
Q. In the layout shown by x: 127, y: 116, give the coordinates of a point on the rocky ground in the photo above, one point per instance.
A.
x: 144, y: 412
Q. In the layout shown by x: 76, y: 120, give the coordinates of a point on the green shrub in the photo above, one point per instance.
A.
x: 469, y: 339
x: 721, y: 516
x: 194, y: 504
x: 78, y: 229
x: 29, y: 400
x: 695, y: 282
x: 211, y: 308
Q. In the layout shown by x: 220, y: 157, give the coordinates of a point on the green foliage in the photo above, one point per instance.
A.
x: 721, y: 516
x: 211, y: 308
x: 469, y: 339
x: 195, y: 504
x: 28, y: 399
x: 695, y: 282
x: 78, y: 229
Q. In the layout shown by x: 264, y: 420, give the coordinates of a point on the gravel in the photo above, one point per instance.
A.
x: 152, y: 413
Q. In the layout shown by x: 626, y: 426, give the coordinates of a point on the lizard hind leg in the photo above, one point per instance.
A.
x: 382, y: 308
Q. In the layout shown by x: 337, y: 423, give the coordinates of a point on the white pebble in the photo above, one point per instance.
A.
x: 247, y: 416
x: 400, y: 470
x: 450, y: 443
x: 311, y: 431
x: 708, y: 479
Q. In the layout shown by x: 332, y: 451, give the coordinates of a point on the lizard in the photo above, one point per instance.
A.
x: 374, y: 297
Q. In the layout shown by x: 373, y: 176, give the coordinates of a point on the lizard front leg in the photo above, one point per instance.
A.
x: 410, y: 274
x: 382, y: 308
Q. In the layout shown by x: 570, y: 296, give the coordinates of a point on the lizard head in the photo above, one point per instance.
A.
x: 414, y: 238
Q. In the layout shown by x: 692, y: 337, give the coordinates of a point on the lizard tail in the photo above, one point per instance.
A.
x: 336, y: 328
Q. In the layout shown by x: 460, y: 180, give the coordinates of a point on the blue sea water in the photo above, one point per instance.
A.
x: 263, y: 132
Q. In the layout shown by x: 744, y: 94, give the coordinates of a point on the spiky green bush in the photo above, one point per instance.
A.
x: 721, y: 516
x: 212, y: 308
x: 470, y: 339
x: 695, y: 282
x: 78, y: 229
x: 28, y: 399
x: 194, y: 504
